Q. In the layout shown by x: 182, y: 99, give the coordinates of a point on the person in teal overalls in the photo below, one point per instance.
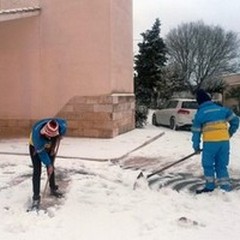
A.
x: 215, y: 124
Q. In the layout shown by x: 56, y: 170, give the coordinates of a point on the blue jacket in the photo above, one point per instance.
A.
x: 214, y: 122
x: 41, y: 143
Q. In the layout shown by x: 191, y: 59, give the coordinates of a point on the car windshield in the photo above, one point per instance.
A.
x: 190, y: 105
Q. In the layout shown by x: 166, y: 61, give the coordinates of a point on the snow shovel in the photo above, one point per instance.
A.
x: 142, y: 181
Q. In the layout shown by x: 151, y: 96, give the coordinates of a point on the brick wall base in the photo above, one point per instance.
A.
x: 12, y: 128
x: 95, y: 116
x: 99, y: 116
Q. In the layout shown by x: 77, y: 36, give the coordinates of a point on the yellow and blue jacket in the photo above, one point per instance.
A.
x: 214, y: 122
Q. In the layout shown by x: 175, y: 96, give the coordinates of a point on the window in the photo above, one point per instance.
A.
x: 190, y: 105
x: 172, y: 104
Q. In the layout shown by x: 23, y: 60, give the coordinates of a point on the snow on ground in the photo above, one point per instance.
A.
x: 100, y: 201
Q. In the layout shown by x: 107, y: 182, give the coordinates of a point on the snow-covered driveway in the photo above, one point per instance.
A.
x: 101, y: 203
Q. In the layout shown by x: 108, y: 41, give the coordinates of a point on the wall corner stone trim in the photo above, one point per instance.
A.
x: 104, y: 116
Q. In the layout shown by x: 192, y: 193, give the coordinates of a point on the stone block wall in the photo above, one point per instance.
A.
x: 96, y: 117
x: 99, y: 116
x: 12, y: 128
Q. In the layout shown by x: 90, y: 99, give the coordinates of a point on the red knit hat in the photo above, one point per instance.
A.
x: 50, y: 129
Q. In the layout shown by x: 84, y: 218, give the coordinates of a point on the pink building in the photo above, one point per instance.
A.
x: 232, y: 81
x: 70, y: 59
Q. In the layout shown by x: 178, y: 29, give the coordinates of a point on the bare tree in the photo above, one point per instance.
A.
x: 202, y: 53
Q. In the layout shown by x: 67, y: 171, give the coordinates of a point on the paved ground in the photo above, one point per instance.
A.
x: 90, y: 148
x: 117, y: 150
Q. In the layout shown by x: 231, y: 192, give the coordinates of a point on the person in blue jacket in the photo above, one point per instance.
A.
x: 43, y: 145
x: 215, y: 124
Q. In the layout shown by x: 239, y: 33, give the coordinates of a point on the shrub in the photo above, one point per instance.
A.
x: 141, y: 115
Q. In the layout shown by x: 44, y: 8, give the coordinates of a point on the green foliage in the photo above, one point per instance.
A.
x: 172, y: 82
x: 148, y: 65
x: 141, y: 114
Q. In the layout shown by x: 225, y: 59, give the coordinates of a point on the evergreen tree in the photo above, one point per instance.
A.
x: 172, y: 82
x: 149, y: 63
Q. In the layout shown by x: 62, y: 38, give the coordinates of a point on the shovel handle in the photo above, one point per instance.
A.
x: 45, y: 187
x: 172, y: 164
x: 55, y: 151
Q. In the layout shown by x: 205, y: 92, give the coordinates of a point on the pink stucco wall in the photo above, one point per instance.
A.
x: 19, y: 48
x: 73, y: 48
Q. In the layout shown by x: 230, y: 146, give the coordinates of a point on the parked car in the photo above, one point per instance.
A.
x: 176, y: 113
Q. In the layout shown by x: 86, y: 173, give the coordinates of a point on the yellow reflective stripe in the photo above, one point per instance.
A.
x: 215, y: 136
x: 215, y: 131
x: 215, y: 126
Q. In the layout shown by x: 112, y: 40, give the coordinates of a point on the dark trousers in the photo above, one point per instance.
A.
x: 37, y: 170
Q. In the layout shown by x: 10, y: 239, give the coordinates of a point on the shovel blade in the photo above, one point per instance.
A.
x: 141, y: 182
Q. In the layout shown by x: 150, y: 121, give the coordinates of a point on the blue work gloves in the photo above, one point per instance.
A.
x: 197, y: 149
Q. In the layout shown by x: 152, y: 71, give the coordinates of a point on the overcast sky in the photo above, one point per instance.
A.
x: 171, y: 13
